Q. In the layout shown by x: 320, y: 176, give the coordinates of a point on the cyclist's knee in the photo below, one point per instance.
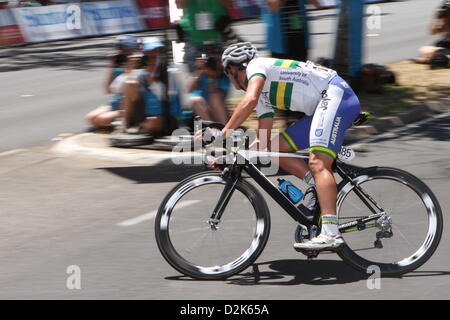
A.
x: 318, y: 162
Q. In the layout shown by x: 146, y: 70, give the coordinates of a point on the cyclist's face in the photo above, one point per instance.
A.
x: 234, y: 75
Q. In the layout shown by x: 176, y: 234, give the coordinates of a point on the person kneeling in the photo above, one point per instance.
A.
x: 144, y: 92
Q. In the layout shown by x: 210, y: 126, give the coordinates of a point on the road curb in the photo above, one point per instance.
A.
x: 97, y: 146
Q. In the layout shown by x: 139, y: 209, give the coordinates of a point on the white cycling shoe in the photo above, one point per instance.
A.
x: 321, y: 242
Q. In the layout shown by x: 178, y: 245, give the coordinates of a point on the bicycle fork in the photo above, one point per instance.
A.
x: 225, y: 197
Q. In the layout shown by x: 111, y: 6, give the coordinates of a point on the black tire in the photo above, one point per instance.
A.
x: 211, y: 179
x: 415, y: 195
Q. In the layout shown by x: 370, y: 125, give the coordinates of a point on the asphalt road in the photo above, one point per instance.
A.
x: 59, y: 212
x: 48, y: 88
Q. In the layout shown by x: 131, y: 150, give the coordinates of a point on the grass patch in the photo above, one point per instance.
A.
x: 416, y: 84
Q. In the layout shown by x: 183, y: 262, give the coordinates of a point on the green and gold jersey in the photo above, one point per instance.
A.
x: 290, y: 85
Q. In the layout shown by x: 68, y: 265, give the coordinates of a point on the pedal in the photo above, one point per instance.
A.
x: 310, y: 254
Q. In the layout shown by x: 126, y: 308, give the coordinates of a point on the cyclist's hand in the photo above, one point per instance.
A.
x: 213, y: 164
x: 207, y: 135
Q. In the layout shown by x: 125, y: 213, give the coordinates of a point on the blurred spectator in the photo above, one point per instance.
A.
x: 287, y: 28
x: 202, y: 27
x: 439, y: 54
x: 143, y: 91
x: 102, y: 117
x: 441, y: 24
x: 208, y: 88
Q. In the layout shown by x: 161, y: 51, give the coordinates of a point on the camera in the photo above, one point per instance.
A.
x: 119, y: 59
x: 211, y: 62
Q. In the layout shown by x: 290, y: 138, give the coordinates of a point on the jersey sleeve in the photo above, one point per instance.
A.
x: 256, y: 67
x: 263, y: 110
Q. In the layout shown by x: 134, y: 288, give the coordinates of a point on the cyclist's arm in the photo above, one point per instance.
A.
x: 246, y: 105
x: 263, y: 134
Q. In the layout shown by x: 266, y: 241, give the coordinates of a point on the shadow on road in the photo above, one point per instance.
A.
x: 294, y: 272
x: 297, y: 272
x: 162, y: 172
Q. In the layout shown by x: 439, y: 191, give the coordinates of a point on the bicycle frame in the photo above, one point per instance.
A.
x: 242, y: 163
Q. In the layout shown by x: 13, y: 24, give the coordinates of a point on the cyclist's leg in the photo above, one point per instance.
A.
x: 291, y: 140
x: 333, y: 115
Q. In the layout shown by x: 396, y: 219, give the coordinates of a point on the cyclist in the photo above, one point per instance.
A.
x: 330, y: 106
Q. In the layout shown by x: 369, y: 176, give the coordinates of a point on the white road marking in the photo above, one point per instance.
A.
x: 152, y: 214
x: 10, y: 152
x: 401, y: 129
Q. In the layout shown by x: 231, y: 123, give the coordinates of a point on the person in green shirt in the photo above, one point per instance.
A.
x: 200, y: 24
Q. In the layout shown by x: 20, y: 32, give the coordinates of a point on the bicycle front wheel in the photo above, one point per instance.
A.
x: 408, y: 234
x: 193, y: 246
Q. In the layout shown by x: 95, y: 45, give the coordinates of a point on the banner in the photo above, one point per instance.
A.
x: 155, y: 13
x: 74, y: 20
x: 333, y: 3
x: 110, y: 17
x: 53, y: 22
x: 9, y: 31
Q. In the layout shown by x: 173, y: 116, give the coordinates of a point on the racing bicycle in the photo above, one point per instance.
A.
x: 215, y: 224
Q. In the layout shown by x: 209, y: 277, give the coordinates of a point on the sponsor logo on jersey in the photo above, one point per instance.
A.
x: 319, y: 132
x: 337, y: 123
x: 324, y: 101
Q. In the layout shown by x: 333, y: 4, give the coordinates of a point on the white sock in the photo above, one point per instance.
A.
x: 330, y: 225
x: 308, y: 178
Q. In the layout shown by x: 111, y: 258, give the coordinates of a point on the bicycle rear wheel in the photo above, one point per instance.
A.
x: 194, y: 247
x: 411, y: 235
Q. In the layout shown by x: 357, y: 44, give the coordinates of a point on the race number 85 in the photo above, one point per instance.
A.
x: 346, y: 154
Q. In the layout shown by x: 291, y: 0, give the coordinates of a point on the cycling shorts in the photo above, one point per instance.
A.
x: 324, y: 131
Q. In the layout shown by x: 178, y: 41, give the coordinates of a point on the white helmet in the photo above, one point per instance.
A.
x: 238, y: 54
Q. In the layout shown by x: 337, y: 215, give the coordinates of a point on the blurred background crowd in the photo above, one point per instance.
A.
x: 147, y: 94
